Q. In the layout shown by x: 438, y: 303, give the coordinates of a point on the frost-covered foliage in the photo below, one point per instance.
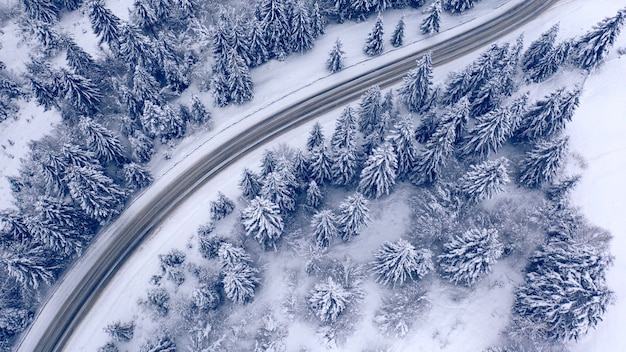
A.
x: 250, y: 184
x: 374, y: 44
x: 548, y: 117
x: 470, y: 255
x: 171, y: 266
x: 542, y: 163
x: 221, y: 207
x: 336, y: 58
x: 158, y: 299
x: 270, y: 336
x: 206, y: 297
x: 162, y: 344
x: 484, y: 180
x: 101, y: 141
x: 262, y: 220
x: 403, y: 140
x: 324, y: 224
x: 353, y: 215
x: 314, y: 195
x: 121, y: 331
x: 379, y: 173
x: 397, y: 262
x: 458, y: 6
x: 316, y: 137
x: 277, y: 190
x: 29, y: 266
x: 329, y: 299
x: 320, y: 165
x: 432, y: 22
x: 96, y: 193
x: 302, y: 35
x: 13, y: 321
x: 136, y: 176
x: 565, y: 293
x: 397, y: 38
x: 591, y: 48
x: 104, y: 23
x: 416, y: 88
x: 399, y: 312
x: 108, y: 347
x: 240, y: 282
x: 539, y: 49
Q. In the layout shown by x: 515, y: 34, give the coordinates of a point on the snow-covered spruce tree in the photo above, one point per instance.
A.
x: 300, y: 168
x: 417, y: 85
x: 41, y: 10
x: 379, y: 173
x: 314, y: 195
x: 432, y: 22
x: 230, y: 255
x: 30, y: 266
x: 370, y: 110
x: 77, y: 58
x: 359, y: 9
x: 433, y: 157
x: 324, y: 224
x: 316, y: 137
x: 143, y: 15
x: 258, y: 48
x: 548, y: 117
x: 80, y: 91
x: 158, y: 299
x: 199, y: 113
x: 13, y: 320
x: 320, y: 165
x: 488, y: 97
x: 345, y: 130
x: 262, y: 220
x: 240, y: 281
x: 121, y: 331
x: 318, y: 21
x: 469, y: 256
x: 142, y: 147
x: 250, y: 184
x: 374, y: 43
x: 221, y: 207
x: 275, y: 26
x: 543, y: 162
x: 241, y: 41
x: 240, y: 86
x: 397, y: 38
x: 539, y: 48
x: 493, y: 129
x: 136, y: 176
x: 278, y: 191
x: 353, y: 215
x: 565, y: 293
x: 336, y: 58
x: 403, y: 140
x: 591, y: 48
x: 458, y: 6
x: 104, y: 23
x: 397, y: 262
x: 301, y: 30
x: 205, y: 297
x: 550, y: 63
x: 484, y: 180
x: 268, y: 162
x: 328, y: 300
x: 94, y: 192
x: 344, y: 166
x: 101, y: 141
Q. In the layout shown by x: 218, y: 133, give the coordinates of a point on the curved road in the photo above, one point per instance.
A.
x: 73, y: 296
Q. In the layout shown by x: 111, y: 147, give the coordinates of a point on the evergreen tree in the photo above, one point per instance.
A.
x: 417, y: 85
x: 301, y: 31
x: 205, y: 298
x: 458, y: 6
x: 104, y: 23
x: 230, y: 255
x: 300, y: 167
x: 136, y: 176
x: 135, y: 48
x: 565, y: 293
x: 108, y: 347
x: 329, y: 299
x: 121, y: 331
x: 158, y: 299
x: 145, y: 86
x: 262, y: 220
x: 199, y: 112
x: 13, y: 320
x: 592, y: 47
x: 488, y: 97
x: 143, y: 14
x: 29, y: 266
x: 379, y: 173
x: 324, y: 224
x: 370, y: 110
x: 276, y: 27
x: 374, y: 42
x: 41, y: 10
x: 344, y: 165
x: 318, y: 21
x: 221, y: 207
x: 397, y: 262
x: 397, y: 37
x: 484, y: 180
x: 539, y: 48
x: 101, y: 141
x: 240, y: 86
x: 381, y: 5
x: 353, y: 215
x: 277, y: 190
x: 94, y: 192
x: 345, y: 130
x: 250, y: 184
x: 359, y: 9
x: 258, y: 48
x: 403, y: 141
x: 432, y: 22
x: 240, y: 281
x: 543, y: 162
x: 320, y: 167
x: 268, y: 163
x: 336, y: 58
x: 141, y: 146
x: 240, y: 41
x: 548, y: 117
x: 549, y: 64
x: 84, y: 95
x: 469, y: 256
x: 77, y: 58
x: 314, y: 195
x: 316, y: 137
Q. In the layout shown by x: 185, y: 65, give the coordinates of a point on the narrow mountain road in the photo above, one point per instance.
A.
x: 79, y: 289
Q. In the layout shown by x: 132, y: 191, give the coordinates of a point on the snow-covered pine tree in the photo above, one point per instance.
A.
x: 94, y: 192
x: 276, y: 27
x: 239, y: 282
x: 77, y: 58
x: 57, y: 225
x: 432, y: 22
x: 268, y: 163
x: 336, y: 58
x: 542, y: 163
x: 550, y: 63
x: 324, y: 224
x: 135, y: 48
x: 158, y: 299
x: 258, y: 48
x: 250, y: 184
x: 397, y: 38
x: 41, y: 10
x: 592, y: 47
x: 12, y: 226
x: 221, y: 207
x: 262, y: 220
x: 484, y: 180
x: 549, y: 116
x: 300, y: 167
x: 318, y: 21
x: 488, y: 97
x: 359, y: 9
x: 345, y: 130
x: 101, y: 141
x: 314, y: 195
x: 403, y: 140
x: 230, y: 255
x: 240, y: 86
x: 344, y: 165
x: 84, y: 94
x: 470, y: 255
x: 316, y: 137
x: 145, y: 86
x: 136, y: 176
x: 13, y: 320
x: 143, y: 15
x: 76, y: 155
x: 539, y: 48
x: 374, y: 44
x: 141, y: 146
x: 121, y: 331
x: 353, y: 215
x: 397, y: 262
x: 206, y: 297
x: 417, y: 85
x: 278, y: 191
x: 28, y: 265
x: 108, y: 347
x: 240, y: 41
x: 565, y: 294
x: 320, y: 165
x: 329, y: 299
x: 370, y: 110
x: 199, y: 112
x: 104, y: 23
x: 301, y: 30
x: 458, y: 6
x: 379, y: 173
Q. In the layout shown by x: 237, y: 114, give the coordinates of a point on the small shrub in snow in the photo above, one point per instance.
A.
x: 121, y: 331
x: 205, y: 297
x: 108, y: 347
x: 159, y: 300
x: 221, y: 207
